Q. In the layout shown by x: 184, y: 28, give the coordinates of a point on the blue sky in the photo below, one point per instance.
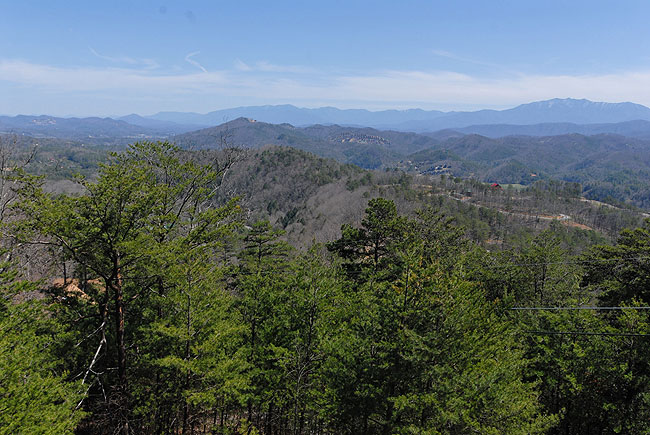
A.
x: 116, y: 57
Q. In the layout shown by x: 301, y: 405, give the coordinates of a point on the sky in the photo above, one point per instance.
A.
x: 110, y: 58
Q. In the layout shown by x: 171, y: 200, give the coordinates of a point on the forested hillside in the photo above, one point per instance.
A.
x: 610, y: 168
x: 171, y: 302
x: 311, y: 197
x: 364, y: 147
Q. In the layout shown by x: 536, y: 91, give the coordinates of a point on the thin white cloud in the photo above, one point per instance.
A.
x: 85, y: 79
x: 293, y: 69
x: 427, y: 89
x: 452, y: 56
x: 455, y: 57
x: 465, y: 89
x: 240, y: 65
x: 264, y: 66
x: 189, y: 59
x: 147, y: 63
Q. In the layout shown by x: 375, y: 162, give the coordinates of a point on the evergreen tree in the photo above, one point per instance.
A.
x: 147, y: 202
x: 420, y: 349
x: 35, y: 397
x: 622, y: 271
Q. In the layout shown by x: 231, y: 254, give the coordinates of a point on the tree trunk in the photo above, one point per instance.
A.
x: 121, y: 347
x: 188, y: 325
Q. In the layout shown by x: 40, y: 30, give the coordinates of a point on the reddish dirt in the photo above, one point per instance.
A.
x: 576, y: 225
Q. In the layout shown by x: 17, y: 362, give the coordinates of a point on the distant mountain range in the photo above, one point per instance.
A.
x: 164, y: 127
x: 416, y: 120
x: 550, y: 111
x: 302, y: 116
x: 92, y: 130
x: 544, y: 118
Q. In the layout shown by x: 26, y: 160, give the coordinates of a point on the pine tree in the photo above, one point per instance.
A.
x: 147, y: 202
x: 419, y: 348
x: 35, y: 396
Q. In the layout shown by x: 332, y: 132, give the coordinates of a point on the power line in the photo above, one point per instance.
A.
x: 574, y: 263
x: 576, y: 308
x: 614, y: 334
x: 550, y: 263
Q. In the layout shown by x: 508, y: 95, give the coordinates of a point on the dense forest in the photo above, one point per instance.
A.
x: 171, y: 291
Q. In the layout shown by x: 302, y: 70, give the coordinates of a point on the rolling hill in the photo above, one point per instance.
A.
x: 364, y: 147
x: 639, y: 129
x: 610, y: 167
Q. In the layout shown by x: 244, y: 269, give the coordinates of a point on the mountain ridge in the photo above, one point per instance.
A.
x: 542, y: 118
x: 636, y: 128
x: 418, y: 120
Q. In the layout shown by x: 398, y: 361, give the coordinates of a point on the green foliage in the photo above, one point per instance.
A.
x: 591, y: 381
x: 173, y: 317
x: 373, y: 244
x: 534, y: 275
x: 621, y: 271
x: 143, y: 231
x: 420, y: 349
x: 588, y: 364
x: 35, y: 397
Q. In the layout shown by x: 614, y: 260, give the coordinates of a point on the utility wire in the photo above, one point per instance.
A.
x: 577, y: 262
x: 614, y: 334
x: 550, y: 263
x: 576, y: 308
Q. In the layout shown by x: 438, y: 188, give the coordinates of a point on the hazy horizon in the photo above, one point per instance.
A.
x: 115, y: 116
